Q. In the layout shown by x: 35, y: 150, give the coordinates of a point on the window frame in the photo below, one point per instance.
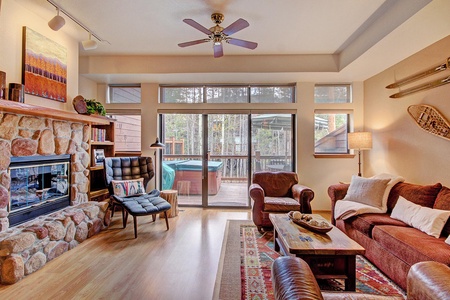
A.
x: 347, y: 85
x: 205, y: 87
x: 111, y: 87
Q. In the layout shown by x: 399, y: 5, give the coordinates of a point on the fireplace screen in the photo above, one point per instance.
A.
x: 38, y: 182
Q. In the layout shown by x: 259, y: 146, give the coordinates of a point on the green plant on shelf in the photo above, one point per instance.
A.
x: 95, y: 107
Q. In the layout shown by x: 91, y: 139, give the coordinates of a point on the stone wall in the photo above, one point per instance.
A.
x: 26, y: 248
x: 22, y: 135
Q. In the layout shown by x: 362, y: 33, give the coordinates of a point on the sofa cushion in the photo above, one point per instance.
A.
x: 424, y: 195
x: 367, y: 191
x: 282, y: 204
x: 431, y: 221
x: 443, y: 202
x: 411, y: 245
x: 366, y: 222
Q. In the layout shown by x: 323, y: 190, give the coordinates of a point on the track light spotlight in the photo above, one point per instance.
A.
x: 89, y: 44
x: 57, y: 22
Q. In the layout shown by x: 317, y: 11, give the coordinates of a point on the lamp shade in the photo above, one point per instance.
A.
x: 157, y: 145
x: 56, y: 23
x: 360, y: 140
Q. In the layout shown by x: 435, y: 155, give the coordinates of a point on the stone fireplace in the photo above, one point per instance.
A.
x: 33, y: 132
x: 22, y: 135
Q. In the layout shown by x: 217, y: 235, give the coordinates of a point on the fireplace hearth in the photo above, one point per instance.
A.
x: 39, y: 185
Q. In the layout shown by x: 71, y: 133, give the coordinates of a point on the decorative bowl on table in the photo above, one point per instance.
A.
x: 309, y: 222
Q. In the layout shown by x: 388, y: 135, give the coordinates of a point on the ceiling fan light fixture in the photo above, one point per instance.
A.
x: 57, y: 22
x: 89, y: 44
x: 217, y: 40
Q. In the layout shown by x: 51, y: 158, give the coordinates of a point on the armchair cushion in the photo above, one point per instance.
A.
x: 282, y: 204
x: 127, y: 188
x: 276, y: 184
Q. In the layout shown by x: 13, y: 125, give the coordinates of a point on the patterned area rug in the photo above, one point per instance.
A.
x: 257, y: 255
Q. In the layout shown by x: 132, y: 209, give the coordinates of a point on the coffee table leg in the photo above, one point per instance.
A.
x: 350, y: 282
x: 275, y: 243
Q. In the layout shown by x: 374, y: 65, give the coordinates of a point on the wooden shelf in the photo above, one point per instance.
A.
x: 105, y: 143
x: 40, y: 111
x: 96, y: 168
x: 99, y: 193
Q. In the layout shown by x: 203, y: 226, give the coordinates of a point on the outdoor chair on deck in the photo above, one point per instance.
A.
x: 277, y: 192
x: 127, y: 178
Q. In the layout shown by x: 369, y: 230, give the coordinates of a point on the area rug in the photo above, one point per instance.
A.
x: 247, y: 257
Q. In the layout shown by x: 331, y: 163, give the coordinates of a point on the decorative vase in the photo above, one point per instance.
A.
x: 16, y: 92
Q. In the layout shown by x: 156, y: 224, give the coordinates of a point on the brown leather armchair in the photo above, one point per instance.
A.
x: 277, y: 192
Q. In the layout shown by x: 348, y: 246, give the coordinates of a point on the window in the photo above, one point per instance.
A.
x: 127, y: 133
x: 272, y: 94
x: 181, y: 94
x: 330, y: 132
x: 125, y: 93
x: 229, y: 94
x: 332, y: 93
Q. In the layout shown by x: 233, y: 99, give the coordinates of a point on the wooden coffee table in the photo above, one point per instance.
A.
x: 329, y: 255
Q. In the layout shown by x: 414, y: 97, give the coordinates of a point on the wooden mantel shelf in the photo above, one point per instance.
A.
x: 39, y: 111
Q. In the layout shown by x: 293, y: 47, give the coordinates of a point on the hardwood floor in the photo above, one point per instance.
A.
x: 177, y: 264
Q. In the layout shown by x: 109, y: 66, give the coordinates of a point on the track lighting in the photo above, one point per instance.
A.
x: 57, y: 22
x: 89, y: 44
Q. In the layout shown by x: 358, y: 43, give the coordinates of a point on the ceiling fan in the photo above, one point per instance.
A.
x: 218, y: 34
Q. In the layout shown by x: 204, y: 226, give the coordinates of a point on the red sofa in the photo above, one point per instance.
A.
x: 390, y: 244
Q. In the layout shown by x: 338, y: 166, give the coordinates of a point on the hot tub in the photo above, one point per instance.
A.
x: 188, y: 175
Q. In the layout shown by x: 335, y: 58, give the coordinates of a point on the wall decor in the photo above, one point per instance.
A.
x: 420, y: 75
x: 44, y: 66
x: 429, y: 119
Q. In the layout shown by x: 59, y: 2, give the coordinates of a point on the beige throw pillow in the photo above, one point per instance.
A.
x: 431, y: 221
x: 369, y: 191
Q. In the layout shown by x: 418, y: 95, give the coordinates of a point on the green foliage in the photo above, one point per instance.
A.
x: 94, y: 107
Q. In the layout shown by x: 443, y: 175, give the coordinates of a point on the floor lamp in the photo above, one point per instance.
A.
x: 157, y: 146
x: 360, y: 141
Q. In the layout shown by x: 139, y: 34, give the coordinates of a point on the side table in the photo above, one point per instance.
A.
x: 170, y: 196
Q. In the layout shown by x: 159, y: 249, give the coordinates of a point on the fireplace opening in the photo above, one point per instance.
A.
x: 39, y: 185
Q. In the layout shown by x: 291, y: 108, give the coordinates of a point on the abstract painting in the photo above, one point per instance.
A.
x: 44, y: 66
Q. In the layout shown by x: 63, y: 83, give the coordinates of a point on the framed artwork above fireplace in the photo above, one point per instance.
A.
x: 44, y: 66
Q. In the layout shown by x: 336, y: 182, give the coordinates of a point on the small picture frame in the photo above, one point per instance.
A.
x: 98, y: 156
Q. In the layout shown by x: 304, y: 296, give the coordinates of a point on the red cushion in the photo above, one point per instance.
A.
x: 424, y: 195
x: 366, y: 222
x: 412, y: 245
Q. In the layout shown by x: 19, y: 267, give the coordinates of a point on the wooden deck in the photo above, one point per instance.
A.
x: 231, y: 194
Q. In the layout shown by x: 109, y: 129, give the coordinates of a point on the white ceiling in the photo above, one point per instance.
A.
x: 346, y: 30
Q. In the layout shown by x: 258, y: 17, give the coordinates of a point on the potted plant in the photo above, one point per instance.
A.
x: 88, y: 106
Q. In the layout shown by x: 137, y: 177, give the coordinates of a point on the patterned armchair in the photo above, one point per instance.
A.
x: 277, y: 192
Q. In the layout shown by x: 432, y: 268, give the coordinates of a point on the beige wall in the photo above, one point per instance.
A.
x: 400, y: 146
x: 13, y: 17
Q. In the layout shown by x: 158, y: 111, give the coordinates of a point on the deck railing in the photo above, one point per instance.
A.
x: 235, y: 167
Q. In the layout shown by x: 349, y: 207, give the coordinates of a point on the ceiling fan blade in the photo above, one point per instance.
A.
x: 236, y: 26
x: 191, y: 43
x: 197, y: 26
x: 218, y: 50
x: 242, y: 43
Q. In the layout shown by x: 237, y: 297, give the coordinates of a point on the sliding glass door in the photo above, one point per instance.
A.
x: 210, y: 158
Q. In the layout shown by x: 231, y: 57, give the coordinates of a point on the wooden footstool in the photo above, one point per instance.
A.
x: 170, y: 196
